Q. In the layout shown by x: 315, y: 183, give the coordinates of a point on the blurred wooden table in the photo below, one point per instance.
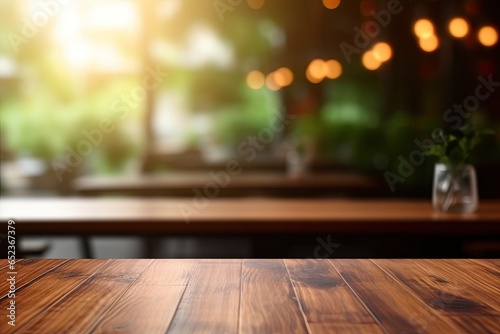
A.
x: 254, y: 296
x: 156, y: 217
x: 244, y: 184
x: 241, y: 216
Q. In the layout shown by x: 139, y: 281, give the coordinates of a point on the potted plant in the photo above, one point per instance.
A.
x: 455, y: 185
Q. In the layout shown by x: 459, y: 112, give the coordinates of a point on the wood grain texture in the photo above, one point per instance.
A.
x: 78, y: 311
x: 490, y: 263
x: 26, y: 271
x: 47, y: 290
x: 268, y: 300
x: 326, y: 300
x: 480, y: 281
x: 142, y: 309
x: 453, y: 299
x: 6, y: 264
x: 163, y: 215
x: 257, y: 296
x: 171, y: 272
x: 210, y: 301
x: 395, y: 306
x: 150, y: 304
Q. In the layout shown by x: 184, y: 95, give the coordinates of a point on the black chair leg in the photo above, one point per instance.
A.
x: 86, y: 248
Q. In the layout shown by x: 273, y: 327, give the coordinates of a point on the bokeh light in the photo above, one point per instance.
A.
x: 458, y: 27
x: 317, y: 70
x: 256, y: 4
x: 256, y: 79
x: 370, y: 61
x: 334, y: 69
x: 429, y: 44
x: 271, y: 82
x: 283, y: 77
x: 331, y: 4
x: 423, y: 28
x: 382, y: 51
x: 488, y: 36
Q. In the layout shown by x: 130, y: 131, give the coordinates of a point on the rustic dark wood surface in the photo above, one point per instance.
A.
x: 252, y: 215
x: 255, y: 296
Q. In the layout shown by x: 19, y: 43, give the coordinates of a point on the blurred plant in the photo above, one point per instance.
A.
x: 457, y: 145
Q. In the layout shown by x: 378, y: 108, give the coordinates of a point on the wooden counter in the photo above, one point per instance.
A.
x: 254, y: 296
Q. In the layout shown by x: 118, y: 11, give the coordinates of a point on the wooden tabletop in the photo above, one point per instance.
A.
x: 248, y: 215
x: 254, y: 296
x: 177, y: 184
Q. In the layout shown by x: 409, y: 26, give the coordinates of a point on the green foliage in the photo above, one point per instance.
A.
x: 456, y: 146
x: 233, y: 124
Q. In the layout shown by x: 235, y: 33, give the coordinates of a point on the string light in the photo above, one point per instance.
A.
x: 488, y: 36
x: 271, y: 83
x: 382, y: 51
x: 429, y: 44
x: 256, y: 79
x: 256, y: 4
x: 331, y: 4
x: 334, y: 69
x: 283, y: 77
x: 423, y: 28
x: 316, y: 71
x: 458, y: 27
x: 369, y: 61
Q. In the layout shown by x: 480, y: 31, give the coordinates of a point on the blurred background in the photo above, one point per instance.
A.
x: 310, y: 98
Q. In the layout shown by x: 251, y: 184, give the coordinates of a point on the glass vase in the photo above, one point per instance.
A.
x: 455, y: 188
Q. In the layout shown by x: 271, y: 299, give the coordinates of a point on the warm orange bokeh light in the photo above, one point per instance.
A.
x: 488, y: 36
x: 317, y: 70
x: 331, y: 4
x: 283, y: 77
x: 429, y: 44
x: 256, y: 79
x: 334, y: 69
x: 458, y: 27
x: 423, y: 28
x: 382, y: 51
x: 256, y: 4
x: 271, y: 82
x: 370, y: 62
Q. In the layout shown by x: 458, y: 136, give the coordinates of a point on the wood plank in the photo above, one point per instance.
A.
x: 326, y: 300
x: 78, y: 310
x: 479, y: 280
x: 268, y: 301
x: 210, y: 301
x: 47, y: 290
x: 452, y: 297
x: 490, y: 263
x: 150, y: 304
x: 221, y: 260
x: 27, y: 271
x: 6, y: 264
x: 395, y: 306
x: 329, y: 328
x: 168, y: 272
x: 142, y: 309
